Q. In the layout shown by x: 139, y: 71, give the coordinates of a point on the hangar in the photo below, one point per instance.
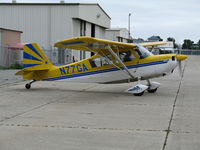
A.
x: 47, y: 23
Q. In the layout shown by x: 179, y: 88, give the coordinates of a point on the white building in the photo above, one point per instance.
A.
x: 47, y: 23
x: 169, y: 45
x: 164, y: 49
x: 118, y: 34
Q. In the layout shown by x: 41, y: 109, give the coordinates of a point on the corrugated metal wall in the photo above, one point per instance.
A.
x: 94, y: 14
x: 47, y: 24
x: 41, y: 24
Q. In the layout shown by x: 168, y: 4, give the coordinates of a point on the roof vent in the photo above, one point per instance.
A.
x: 62, y: 1
x: 14, y: 1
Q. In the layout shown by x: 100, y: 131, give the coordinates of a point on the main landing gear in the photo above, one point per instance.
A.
x: 152, y: 86
x: 28, y: 85
x: 152, y: 91
x: 138, y: 94
x: 139, y: 89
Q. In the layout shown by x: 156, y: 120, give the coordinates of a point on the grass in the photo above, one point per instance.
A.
x: 16, y: 66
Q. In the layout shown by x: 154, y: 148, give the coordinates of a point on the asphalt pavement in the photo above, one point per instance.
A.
x: 81, y: 116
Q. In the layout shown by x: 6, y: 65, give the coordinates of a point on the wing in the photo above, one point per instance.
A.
x: 98, y: 45
x: 153, y: 43
x: 92, y: 44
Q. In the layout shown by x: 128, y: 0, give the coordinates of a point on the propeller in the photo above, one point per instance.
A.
x: 180, y: 69
x: 179, y: 59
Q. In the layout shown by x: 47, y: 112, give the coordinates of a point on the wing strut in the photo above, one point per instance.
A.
x: 119, y: 60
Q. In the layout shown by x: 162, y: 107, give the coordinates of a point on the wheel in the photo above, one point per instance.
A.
x: 28, y: 86
x: 152, y: 91
x: 139, y: 94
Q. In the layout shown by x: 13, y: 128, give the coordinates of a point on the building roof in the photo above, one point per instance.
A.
x: 153, y: 38
x: 116, y: 29
x: 11, y: 30
x: 61, y: 4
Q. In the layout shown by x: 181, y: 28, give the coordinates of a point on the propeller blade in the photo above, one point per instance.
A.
x: 180, y: 69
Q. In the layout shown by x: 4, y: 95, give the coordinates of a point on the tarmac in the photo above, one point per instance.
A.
x: 77, y: 116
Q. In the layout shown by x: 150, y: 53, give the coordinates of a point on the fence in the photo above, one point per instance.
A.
x: 59, y: 56
x: 9, y: 57
x: 189, y: 52
x: 181, y: 51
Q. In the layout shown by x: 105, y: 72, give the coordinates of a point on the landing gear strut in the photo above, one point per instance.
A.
x: 28, y: 85
x: 152, y: 86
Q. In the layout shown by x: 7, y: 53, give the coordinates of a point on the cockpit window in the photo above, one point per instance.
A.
x: 142, y: 52
x: 101, y: 61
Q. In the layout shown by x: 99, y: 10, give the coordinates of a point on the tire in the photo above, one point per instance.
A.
x: 139, y: 94
x: 28, y: 86
x: 152, y: 91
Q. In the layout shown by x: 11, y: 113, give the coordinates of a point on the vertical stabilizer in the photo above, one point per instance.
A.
x: 34, y: 58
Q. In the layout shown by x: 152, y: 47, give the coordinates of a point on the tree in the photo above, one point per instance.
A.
x: 171, y: 39
x: 160, y: 38
x: 187, y: 44
x: 198, y: 43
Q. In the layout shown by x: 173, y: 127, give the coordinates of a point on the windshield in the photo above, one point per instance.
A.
x: 142, y: 52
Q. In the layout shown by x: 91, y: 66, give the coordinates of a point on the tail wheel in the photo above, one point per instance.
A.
x: 28, y: 86
x: 152, y: 91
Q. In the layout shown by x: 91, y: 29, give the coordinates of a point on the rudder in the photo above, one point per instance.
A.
x: 34, y: 58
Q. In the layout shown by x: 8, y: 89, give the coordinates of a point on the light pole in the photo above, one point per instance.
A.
x: 129, y: 29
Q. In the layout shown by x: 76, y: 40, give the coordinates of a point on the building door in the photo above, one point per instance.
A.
x: 92, y: 34
x: 92, y: 30
x: 82, y: 33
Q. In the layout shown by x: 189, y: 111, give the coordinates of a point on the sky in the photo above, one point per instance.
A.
x: 179, y: 19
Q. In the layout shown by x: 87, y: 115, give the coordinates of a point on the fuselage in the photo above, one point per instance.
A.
x: 84, y: 71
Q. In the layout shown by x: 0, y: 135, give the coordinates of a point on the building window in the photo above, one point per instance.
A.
x: 120, y: 39
x: 83, y: 28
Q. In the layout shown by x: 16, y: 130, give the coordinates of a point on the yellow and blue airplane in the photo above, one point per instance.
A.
x: 113, y: 62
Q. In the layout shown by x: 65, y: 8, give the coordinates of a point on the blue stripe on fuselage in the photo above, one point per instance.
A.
x: 105, y: 70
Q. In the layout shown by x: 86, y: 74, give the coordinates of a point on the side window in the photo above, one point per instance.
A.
x: 107, y: 60
x: 95, y: 62
x: 101, y: 61
x: 126, y: 56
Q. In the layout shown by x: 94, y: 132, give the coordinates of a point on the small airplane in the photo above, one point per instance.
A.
x: 113, y: 62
